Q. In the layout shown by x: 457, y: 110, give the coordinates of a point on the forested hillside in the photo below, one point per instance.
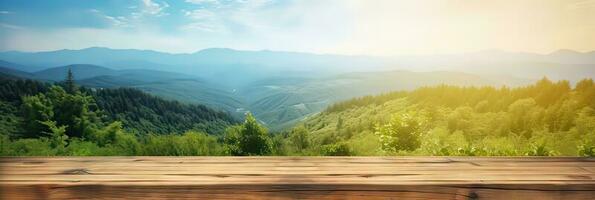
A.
x: 546, y: 118
x: 39, y: 119
x: 138, y: 111
x: 63, y: 119
x: 144, y: 113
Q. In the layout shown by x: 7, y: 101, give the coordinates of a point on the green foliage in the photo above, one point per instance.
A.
x: 337, y: 149
x: 401, y: 133
x: 14, y: 90
x: 587, y: 150
x: 298, y: 139
x: 10, y: 119
x: 5, y: 144
x: 29, y: 147
x: 69, y: 85
x: 279, y: 145
x: 124, y: 144
x: 107, y: 135
x: 143, y: 113
x: 188, y: 144
x: 544, y: 119
x: 231, y: 139
x: 27, y: 102
x: 57, y: 135
x: 248, y: 139
x: 46, y: 120
x: 540, y: 149
x: 75, y: 111
x: 36, y: 109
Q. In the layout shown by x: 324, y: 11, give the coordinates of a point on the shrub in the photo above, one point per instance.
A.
x: 401, y: 133
x: 337, y: 149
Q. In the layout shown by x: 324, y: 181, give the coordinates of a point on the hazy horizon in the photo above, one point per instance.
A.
x: 305, y: 52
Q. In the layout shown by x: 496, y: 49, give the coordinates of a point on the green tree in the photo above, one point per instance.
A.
x: 339, y: 123
x: 69, y: 84
x: 586, y: 150
x: 71, y: 110
x: 57, y: 135
x: 336, y: 149
x: 106, y: 135
x: 524, y: 115
x: 299, y: 138
x: 402, y: 132
x: 249, y: 139
x: 35, y: 110
x: 231, y: 139
x: 74, y: 111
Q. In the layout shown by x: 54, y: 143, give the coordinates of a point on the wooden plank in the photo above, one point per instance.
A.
x: 297, y: 178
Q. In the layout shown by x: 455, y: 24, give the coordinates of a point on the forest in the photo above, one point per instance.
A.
x: 547, y: 118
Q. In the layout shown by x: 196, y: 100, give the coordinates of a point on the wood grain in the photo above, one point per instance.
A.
x: 297, y: 178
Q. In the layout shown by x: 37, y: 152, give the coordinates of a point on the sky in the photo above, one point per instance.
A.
x: 352, y: 27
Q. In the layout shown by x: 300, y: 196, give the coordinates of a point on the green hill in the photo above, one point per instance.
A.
x: 145, y: 113
x: 140, y: 112
x: 546, y: 118
x: 81, y: 71
x: 281, y: 102
x: 12, y: 70
x: 173, y: 87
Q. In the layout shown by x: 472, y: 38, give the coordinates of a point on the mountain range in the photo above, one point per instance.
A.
x: 282, y: 88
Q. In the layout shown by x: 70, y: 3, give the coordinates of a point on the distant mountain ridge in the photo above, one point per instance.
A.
x: 205, y: 63
x: 237, y: 67
x: 13, y: 73
x: 81, y: 71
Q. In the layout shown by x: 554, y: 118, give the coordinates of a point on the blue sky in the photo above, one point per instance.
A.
x: 379, y: 27
x: 173, y: 26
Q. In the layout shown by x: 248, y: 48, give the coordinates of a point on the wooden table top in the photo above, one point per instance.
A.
x: 297, y: 177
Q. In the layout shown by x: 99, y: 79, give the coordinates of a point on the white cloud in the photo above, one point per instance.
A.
x: 221, y: 16
x: 203, y: 20
x: 204, y: 27
x: 145, y: 8
x: 119, y: 21
x: 200, y: 14
x: 153, y: 8
x: 4, y: 12
x: 203, y: 1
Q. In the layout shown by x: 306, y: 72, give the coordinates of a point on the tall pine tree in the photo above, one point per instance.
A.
x: 69, y: 85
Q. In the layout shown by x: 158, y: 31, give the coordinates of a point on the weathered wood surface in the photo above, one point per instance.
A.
x: 296, y: 178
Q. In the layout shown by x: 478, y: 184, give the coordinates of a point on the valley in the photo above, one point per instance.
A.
x: 281, y: 88
x: 339, y: 109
